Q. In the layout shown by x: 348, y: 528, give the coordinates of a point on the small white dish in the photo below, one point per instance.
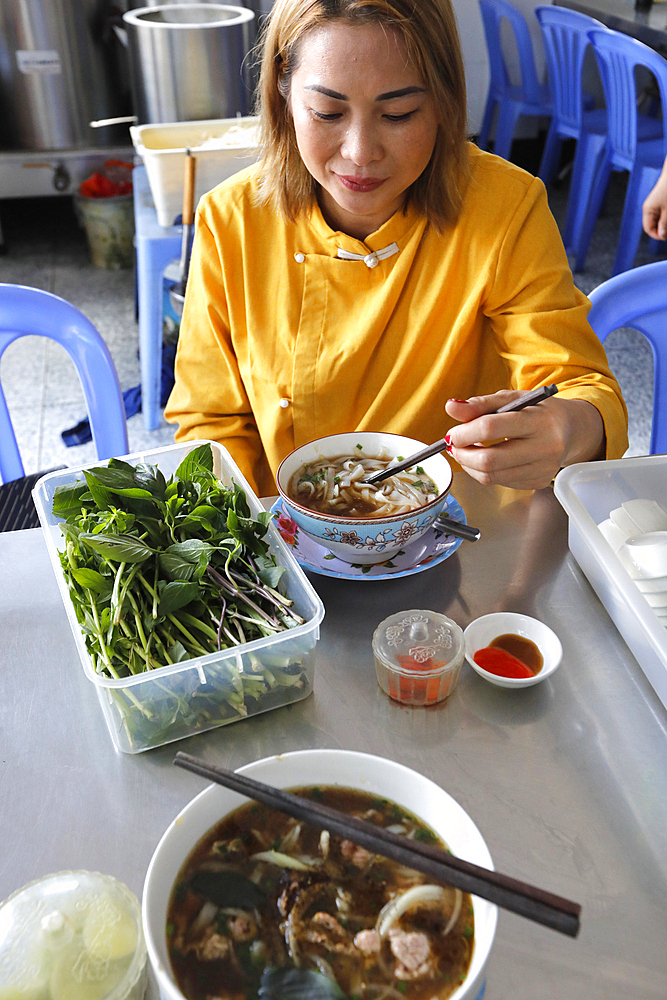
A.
x: 613, y: 534
x: 658, y: 601
x: 482, y: 631
x: 648, y: 515
x: 654, y: 586
x: 648, y: 553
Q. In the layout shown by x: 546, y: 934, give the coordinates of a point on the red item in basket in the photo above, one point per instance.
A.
x: 116, y: 181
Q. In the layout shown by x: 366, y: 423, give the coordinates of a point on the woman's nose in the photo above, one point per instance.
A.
x: 361, y: 144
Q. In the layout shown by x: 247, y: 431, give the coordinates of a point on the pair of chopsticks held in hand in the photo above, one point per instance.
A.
x: 528, y: 399
x: 527, y: 901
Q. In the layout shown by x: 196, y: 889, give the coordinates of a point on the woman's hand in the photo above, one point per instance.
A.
x: 524, y: 449
x: 654, y: 211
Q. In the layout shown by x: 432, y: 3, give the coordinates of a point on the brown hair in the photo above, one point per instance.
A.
x: 428, y: 29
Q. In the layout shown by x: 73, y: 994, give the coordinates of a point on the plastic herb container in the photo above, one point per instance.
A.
x: 418, y: 656
x: 159, y: 706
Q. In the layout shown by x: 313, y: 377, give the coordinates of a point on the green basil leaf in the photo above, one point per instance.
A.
x: 176, y: 595
x: 228, y: 889
x: 197, y: 464
x: 150, y: 478
x: 118, y: 548
x: 271, y: 575
x: 117, y: 475
x: 175, y: 567
x: 91, y: 580
x: 68, y: 499
x: 102, y: 497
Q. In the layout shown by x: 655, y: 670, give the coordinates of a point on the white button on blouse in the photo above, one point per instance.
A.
x: 284, y: 403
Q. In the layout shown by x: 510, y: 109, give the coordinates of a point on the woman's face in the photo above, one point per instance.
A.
x: 365, y: 123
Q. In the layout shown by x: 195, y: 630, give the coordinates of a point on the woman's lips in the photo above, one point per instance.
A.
x: 362, y: 184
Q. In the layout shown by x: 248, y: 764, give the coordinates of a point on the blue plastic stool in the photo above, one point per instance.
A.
x: 638, y: 299
x: 156, y: 247
x: 529, y: 97
x: 627, y: 148
x: 33, y: 312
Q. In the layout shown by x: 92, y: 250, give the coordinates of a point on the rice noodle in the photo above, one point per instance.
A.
x: 336, y: 486
x: 283, y: 860
x: 419, y: 894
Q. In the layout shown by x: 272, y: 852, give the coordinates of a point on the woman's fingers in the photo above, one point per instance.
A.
x: 523, y: 449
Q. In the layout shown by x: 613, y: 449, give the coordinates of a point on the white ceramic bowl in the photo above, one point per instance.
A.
x: 483, y: 630
x: 364, y: 539
x: 316, y: 767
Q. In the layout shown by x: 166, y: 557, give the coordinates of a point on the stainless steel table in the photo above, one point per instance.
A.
x: 566, y: 780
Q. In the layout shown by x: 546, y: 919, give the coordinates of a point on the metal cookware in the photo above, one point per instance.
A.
x: 188, y: 61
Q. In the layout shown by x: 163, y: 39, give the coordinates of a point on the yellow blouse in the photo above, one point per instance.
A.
x: 282, y: 341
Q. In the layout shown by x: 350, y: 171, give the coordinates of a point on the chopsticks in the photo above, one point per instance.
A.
x: 527, y: 901
x: 529, y: 399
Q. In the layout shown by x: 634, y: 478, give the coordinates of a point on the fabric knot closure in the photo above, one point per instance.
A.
x: 370, y: 259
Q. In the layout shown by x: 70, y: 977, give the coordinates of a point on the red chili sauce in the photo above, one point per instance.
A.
x: 510, y: 656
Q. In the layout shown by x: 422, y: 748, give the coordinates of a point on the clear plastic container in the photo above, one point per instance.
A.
x: 418, y: 656
x: 75, y: 935
x: 589, y: 491
x: 160, y: 706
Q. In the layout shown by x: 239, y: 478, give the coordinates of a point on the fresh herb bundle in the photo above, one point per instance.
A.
x: 160, y: 571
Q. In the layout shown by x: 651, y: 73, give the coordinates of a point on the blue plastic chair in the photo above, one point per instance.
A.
x: 31, y: 311
x: 530, y: 97
x: 565, y: 37
x: 627, y: 149
x: 638, y: 299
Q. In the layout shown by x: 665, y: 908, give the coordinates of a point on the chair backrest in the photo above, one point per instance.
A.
x: 565, y: 37
x: 31, y: 311
x: 618, y: 56
x: 638, y: 299
x: 493, y: 12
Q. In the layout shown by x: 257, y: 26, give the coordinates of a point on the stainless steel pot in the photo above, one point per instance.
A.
x: 60, y: 66
x: 188, y: 61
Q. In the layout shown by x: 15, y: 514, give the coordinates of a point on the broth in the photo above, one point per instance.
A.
x: 266, y: 904
x: 336, y: 486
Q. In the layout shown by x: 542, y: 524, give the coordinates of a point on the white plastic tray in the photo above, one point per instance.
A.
x: 162, y: 148
x: 588, y: 492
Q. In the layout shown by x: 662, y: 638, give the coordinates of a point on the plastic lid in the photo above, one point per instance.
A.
x: 417, y: 637
x: 75, y: 935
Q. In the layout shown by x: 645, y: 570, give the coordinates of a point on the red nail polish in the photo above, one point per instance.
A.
x: 457, y: 400
x: 448, y: 440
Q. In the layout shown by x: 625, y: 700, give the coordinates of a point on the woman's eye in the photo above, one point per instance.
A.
x: 334, y: 116
x: 400, y: 118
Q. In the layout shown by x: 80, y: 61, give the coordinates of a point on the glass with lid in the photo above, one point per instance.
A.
x: 418, y: 656
x: 74, y: 935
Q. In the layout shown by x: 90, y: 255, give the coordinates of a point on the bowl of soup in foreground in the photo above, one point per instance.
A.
x: 312, y: 903
x: 321, y: 488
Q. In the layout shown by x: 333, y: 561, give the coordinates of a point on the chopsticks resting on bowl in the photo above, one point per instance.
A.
x: 527, y: 901
x: 530, y: 399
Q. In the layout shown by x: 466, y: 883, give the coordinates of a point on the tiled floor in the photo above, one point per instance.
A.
x: 47, y: 249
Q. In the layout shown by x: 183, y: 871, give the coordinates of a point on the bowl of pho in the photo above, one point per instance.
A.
x: 323, y: 489
x: 241, y: 900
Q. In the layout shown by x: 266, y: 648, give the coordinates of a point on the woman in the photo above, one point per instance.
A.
x: 654, y: 209
x: 375, y: 264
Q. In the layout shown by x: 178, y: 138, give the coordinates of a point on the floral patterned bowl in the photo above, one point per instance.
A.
x: 364, y: 539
